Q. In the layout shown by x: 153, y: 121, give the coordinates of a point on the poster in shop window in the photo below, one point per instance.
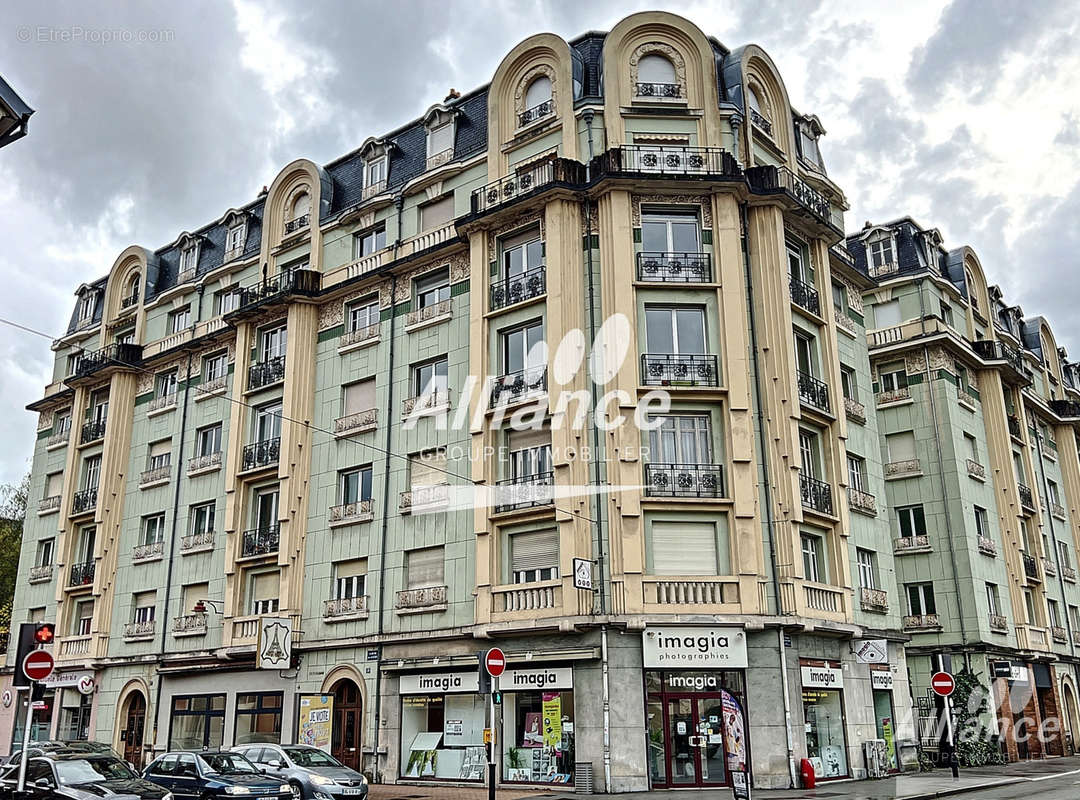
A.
x: 316, y: 720
x: 734, y: 732
x: 553, y: 719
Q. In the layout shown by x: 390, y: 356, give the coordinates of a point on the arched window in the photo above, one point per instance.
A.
x: 755, y: 101
x: 301, y: 205
x: 656, y: 77
x: 131, y: 291
x: 539, y: 92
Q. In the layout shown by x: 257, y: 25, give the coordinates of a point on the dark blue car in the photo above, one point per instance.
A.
x: 203, y: 776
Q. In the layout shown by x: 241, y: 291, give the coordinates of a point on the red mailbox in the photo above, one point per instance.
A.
x: 806, y: 769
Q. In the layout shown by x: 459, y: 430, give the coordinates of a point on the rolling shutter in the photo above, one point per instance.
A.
x: 359, y: 397
x: 534, y: 550
x: 424, y: 568
x: 684, y: 548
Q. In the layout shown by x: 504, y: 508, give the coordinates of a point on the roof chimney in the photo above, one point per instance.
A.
x: 454, y: 94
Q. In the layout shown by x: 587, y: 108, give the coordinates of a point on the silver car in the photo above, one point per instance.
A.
x: 311, y: 773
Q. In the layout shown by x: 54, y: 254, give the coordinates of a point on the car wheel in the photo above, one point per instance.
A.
x: 297, y: 792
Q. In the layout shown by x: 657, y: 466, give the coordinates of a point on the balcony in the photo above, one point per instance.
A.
x: 768, y: 179
x: 185, y: 276
x: 414, y: 601
x: 863, y: 502
x: 139, y: 631
x: 155, y: 477
x: 1049, y: 568
x: 129, y: 301
x: 905, y: 468
x: 1066, y: 409
x: 843, y: 321
x: 662, y: 91
x: 855, y: 411
x: 657, y: 267
x: 348, y: 513
x: 440, y: 158
x: 75, y: 646
x: 527, y: 597
x: 537, y: 112
x: 198, y: 465
x: 921, y: 622
x: 965, y: 399
x: 524, y: 182
x: 1031, y: 568
x: 1001, y: 354
x: 525, y: 491
x: 998, y: 623
x: 40, y: 573
x: 369, y: 334
x: 360, y: 422
x: 260, y: 541
x: 345, y: 608
x: 813, y: 392
x: 759, y: 121
x: 233, y: 253
x: 265, y: 373
x: 679, y: 369
x: 261, y: 454
x: 1015, y: 429
x: 684, y: 480
x: 213, y: 386
x: 428, y: 315
x: 424, y: 498
x: 976, y: 470
x: 518, y: 288
x: 1057, y: 510
x: 816, y: 495
x: 158, y: 405
x: 1069, y: 574
x: 701, y: 591
x: 1026, y: 499
x: 189, y: 625
x: 152, y: 551
x: 1031, y: 638
x: 986, y: 546
x: 81, y: 574
x: 127, y: 356
x: 85, y: 501
x: 57, y: 439
x: 430, y: 403
x: 48, y: 505
x: 295, y: 281
x: 822, y: 597
x: 900, y: 395
x: 245, y: 630
x: 197, y: 543
x: 1060, y: 634
x: 875, y: 600
x: 92, y: 431
x: 297, y: 223
x: 667, y: 160
x: 907, y: 545
x: 805, y: 296
x: 517, y: 386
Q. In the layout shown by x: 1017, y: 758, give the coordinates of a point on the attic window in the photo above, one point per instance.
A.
x: 656, y: 78
x: 375, y: 177
x: 299, y: 213
x: 759, y: 113
x: 189, y: 257
x: 86, y: 307
x: 882, y: 254
x: 131, y: 292
x: 234, y: 240
x: 537, y: 101
x: 440, y: 145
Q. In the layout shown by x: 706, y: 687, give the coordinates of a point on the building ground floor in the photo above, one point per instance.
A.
x: 689, y: 704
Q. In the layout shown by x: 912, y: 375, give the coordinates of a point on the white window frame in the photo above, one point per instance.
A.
x: 867, y: 572
x: 881, y: 251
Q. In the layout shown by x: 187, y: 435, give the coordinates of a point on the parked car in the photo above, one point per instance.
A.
x: 311, y: 773
x: 66, y: 775
x: 47, y: 746
x: 202, y: 776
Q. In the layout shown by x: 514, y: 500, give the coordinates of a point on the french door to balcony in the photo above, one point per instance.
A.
x: 675, y: 330
x: 266, y: 505
x: 681, y: 440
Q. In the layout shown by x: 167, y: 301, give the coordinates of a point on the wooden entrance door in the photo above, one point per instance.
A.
x: 348, y: 721
x: 133, y: 730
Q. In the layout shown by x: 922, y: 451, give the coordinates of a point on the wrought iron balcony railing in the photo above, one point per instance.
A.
x: 129, y: 301
x: 260, y: 541
x: 92, y: 431
x: 1031, y: 567
x: 264, y: 373
x: 345, y: 607
x: 295, y: 280
x: 525, y: 491
x: 155, y: 475
x: 1026, y: 500
x: 261, y: 454
x: 81, y: 574
x: 854, y: 410
x: 679, y: 369
x: 656, y: 267
x: 1066, y: 409
x: 758, y: 121
x: 517, y: 385
x: 816, y: 495
x: 996, y: 350
x: 804, y: 296
x: 684, y: 480
x: 296, y: 223
x: 518, y: 288
x: 525, y: 181
x: 148, y: 552
x: 665, y: 90
x: 539, y: 111
x: 424, y: 403
x: 671, y: 160
x: 85, y: 500
x: 768, y: 179
x: 813, y: 392
x: 113, y: 355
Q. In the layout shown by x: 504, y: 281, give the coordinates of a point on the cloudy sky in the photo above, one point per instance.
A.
x: 963, y: 114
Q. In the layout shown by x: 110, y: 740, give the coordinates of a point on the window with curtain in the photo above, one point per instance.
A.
x: 424, y: 568
x: 655, y: 69
x: 539, y: 91
x: 350, y: 579
x: 264, y: 589
x: 684, y: 548
x: 534, y: 556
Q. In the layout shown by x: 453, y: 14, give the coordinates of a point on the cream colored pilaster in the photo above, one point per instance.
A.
x: 232, y: 520
x: 483, y: 470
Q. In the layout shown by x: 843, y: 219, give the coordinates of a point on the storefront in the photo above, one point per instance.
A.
x: 443, y: 717
x: 881, y: 686
x: 696, y: 714
x: 823, y: 716
x: 538, y: 725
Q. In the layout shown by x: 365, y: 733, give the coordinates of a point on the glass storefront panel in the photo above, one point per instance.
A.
x: 258, y: 718
x: 40, y: 721
x: 538, y: 737
x: 654, y: 719
x: 883, y: 715
x: 823, y: 712
x: 197, y: 722
x: 442, y: 736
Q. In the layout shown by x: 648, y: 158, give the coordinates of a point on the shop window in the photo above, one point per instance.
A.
x: 197, y: 722
x: 538, y: 732
x: 823, y: 714
x: 258, y: 718
x: 75, y: 716
x: 442, y: 736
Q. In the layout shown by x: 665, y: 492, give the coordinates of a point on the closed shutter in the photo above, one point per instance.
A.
x: 435, y: 215
x: 359, y: 397
x: 887, y: 315
x: 429, y: 469
x: 901, y: 446
x: 534, y: 550
x: 160, y: 448
x: 684, y: 548
x: 523, y: 440
x: 265, y: 586
x: 55, y: 484
x: 351, y: 569
x: 440, y: 139
x: 424, y: 568
x: 193, y: 593
x: 143, y: 599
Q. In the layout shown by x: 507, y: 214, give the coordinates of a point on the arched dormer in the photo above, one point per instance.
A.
x: 188, y: 246
x: 658, y: 72
x: 300, y: 190
x: 440, y: 123
x: 763, y: 87
x: 975, y: 284
x: 375, y: 154
x: 534, y: 99
x: 130, y: 275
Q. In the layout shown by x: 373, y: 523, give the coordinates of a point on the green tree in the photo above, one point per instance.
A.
x: 13, y: 500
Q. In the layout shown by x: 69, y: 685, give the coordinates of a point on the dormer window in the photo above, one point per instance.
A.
x: 375, y: 176
x: 440, y: 144
x: 973, y: 296
x: 131, y: 292
x: 656, y: 78
x: 299, y: 212
x: 189, y: 258
x: 234, y: 240
x: 759, y: 112
x: 538, y: 101
x: 881, y: 254
x: 86, y: 307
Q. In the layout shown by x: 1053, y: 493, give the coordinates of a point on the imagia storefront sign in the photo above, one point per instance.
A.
x: 694, y: 647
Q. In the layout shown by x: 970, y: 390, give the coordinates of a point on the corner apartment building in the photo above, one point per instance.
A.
x: 976, y: 410
x: 265, y: 466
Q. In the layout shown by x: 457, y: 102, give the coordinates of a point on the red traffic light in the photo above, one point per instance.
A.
x: 44, y: 633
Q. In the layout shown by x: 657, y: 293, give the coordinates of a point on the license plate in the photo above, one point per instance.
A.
x: 352, y: 790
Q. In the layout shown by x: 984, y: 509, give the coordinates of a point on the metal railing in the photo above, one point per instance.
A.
x: 204, y: 462
x: 260, y: 541
x: 660, y: 267
x: 816, y: 495
x: 355, y: 423
x: 120, y: 355
x: 425, y: 597
x: 1031, y: 567
x: 996, y: 350
x: 525, y: 181
x: 907, y: 466
x: 189, y: 624
x: 516, y: 385
x: 804, y: 296
x: 998, y: 623
x: 525, y: 491
x: 813, y: 392
x: 758, y: 121
x: 422, y: 498
x: 261, y: 454
x: 85, y: 500
x: 161, y: 403
x: 912, y: 544
x: 264, y: 373
x: 92, y: 431
x: 81, y: 574
x: 679, y: 369
x: 975, y: 469
x: 684, y: 480
x: 359, y: 511
x: 129, y: 301
x: 1026, y: 500
x: 295, y: 224
x: 767, y: 179
x: 666, y: 160
x: 345, y: 607
x: 539, y: 111
x: 1066, y: 409
x: 518, y: 288
x: 664, y: 90
x: 203, y: 540
x: 295, y: 280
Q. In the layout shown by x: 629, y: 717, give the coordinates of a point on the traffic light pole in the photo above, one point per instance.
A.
x: 26, y: 737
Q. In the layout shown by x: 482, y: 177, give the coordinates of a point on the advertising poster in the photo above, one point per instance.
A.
x: 316, y: 720
x: 553, y: 719
x: 734, y: 732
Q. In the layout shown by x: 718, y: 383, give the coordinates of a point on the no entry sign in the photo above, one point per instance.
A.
x: 38, y: 665
x: 495, y: 662
x: 942, y: 683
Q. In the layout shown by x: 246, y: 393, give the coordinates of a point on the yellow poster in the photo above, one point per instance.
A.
x: 552, y: 719
x: 316, y: 720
